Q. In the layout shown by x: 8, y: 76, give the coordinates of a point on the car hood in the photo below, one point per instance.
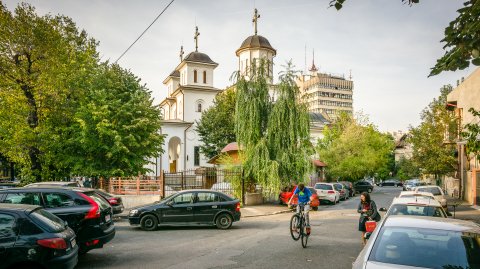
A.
x: 381, y: 265
x: 148, y: 206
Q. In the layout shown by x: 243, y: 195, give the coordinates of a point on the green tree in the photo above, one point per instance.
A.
x: 274, y: 135
x: 471, y: 133
x: 407, y: 169
x: 462, y: 37
x: 216, y: 128
x: 354, y: 148
x: 116, y: 128
x: 44, y: 66
x: 429, y: 151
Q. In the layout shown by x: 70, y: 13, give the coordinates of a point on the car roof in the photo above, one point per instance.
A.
x: 52, y: 183
x: 419, y: 200
x: 418, y: 193
x: 48, y: 187
x: 431, y: 223
x: 18, y: 207
x: 326, y: 183
x: 428, y: 186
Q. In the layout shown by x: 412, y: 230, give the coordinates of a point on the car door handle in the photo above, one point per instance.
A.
x: 189, y: 208
x: 214, y: 206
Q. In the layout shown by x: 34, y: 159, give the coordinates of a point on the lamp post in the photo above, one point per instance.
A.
x: 461, y: 144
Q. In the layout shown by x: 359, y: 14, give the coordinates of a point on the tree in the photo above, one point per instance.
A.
x: 407, y: 169
x: 462, y: 37
x: 216, y: 128
x: 44, y: 64
x: 116, y: 128
x: 274, y: 136
x: 471, y: 133
x: 429, y: 151
x: 353, y: 148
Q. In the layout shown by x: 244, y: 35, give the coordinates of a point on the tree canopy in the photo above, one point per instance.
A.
x: 51, y: 80
x: 462, y: 37
x: 216, y: 128
x: 353, y: 148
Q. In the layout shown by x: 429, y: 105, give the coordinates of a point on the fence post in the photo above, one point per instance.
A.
x: 243, y: 188
x: 110, y: 185
x: 162, y: 178
x: 183, y: 183
x: 138, y: 185
x: 120, y: 186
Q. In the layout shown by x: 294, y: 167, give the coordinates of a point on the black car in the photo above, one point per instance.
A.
x: 203, y: 207
x: 363, y: 186
x: 87, y: 213
x: 31, y: 237
x: 114, y: 201
x: 391, y: 182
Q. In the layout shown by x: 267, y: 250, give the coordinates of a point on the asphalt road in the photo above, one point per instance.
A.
x: 259, y: 242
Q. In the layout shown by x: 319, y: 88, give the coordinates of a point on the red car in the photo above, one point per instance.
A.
x: 287, y: 193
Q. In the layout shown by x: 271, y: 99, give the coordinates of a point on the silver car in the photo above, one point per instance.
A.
x: 421, y: 242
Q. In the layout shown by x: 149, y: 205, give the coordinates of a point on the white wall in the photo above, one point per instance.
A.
x: 188, y: 70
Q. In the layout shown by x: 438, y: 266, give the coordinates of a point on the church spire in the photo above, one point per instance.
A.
x: 256, y: 16
x: 196, y: 38
x: 313, y: 68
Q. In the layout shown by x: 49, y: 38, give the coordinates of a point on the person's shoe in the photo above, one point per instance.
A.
x: 308, y: 230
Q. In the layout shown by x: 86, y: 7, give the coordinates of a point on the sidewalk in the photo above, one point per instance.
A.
x: 247, y: 211
x: 462, y: 210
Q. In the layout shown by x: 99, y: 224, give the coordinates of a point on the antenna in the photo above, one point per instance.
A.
x: 350, y: 77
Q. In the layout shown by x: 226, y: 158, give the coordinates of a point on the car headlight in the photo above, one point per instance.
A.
x: 133, y: 212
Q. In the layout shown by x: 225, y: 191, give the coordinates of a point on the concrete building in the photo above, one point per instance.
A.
x: 325, y: 93
x: 465, y: 96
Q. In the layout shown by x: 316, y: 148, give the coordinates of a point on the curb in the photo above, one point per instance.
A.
x: 269, y: 214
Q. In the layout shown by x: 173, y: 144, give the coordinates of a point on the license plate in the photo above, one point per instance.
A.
x: 73, y: 242
x: 107, y: 218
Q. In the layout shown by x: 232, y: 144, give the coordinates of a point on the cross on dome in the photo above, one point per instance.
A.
x: 196, y: 38
x: 256, y: 16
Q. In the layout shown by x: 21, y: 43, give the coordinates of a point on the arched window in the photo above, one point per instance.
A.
x: 195, y: 76
x: 199, y: 105
x: 204, y: 77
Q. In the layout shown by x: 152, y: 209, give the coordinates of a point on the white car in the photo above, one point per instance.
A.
x: 416, y: 206
x: 412, y: 194
x: 437, y: 193
x: 327, y: 192
x: 421, y: 242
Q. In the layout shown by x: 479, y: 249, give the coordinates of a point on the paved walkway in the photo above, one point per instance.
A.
x: 462, y: 210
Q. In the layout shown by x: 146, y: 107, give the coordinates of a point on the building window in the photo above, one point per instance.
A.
x: 204, y: 77
x: 195, y: 76
x: 196, y: 156
x: 199, y: 107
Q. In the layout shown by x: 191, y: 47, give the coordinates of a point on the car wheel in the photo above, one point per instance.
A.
x: 224, y: 221
x: 149, y: 223
x: 369, y: 190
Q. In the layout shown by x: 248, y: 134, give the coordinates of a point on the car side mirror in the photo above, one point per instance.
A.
x: 382, y: 209
x: 170, y: 203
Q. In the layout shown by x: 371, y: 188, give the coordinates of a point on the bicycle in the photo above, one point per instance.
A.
x: 298, y: 227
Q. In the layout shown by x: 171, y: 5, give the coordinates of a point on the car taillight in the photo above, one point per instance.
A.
x: 94, y: 211
x: 92, y: 243
x: 113, y: 201
x: 331, y: 192
x: 55, y: 243
x: 237, y: 207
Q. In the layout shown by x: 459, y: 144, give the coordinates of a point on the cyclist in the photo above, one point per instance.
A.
x: 305, y: 197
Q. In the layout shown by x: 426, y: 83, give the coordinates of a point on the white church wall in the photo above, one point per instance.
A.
x: 180, y: 106
x: 170, y: 132
x: 191, y: 98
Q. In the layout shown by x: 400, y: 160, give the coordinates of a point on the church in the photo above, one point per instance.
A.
x: 190, y: 91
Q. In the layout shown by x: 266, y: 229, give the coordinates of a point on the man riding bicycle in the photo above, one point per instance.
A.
x: 304, y: 197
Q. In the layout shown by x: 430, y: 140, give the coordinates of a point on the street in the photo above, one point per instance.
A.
x: 258, y: 242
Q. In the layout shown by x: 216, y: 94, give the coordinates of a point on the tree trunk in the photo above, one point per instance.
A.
x: 33, y: 151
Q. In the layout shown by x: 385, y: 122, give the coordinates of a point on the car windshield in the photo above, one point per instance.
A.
x: 417, y: 210
x: 99, y: 200
x: 428, y: 248
x: 432, y: 190
x: 47, y: 221
x: 323, y: 187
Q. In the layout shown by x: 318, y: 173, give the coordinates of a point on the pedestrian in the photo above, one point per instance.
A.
x: 87, y: 183
x: 368, y: 211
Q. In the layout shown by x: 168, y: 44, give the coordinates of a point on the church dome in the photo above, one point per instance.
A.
x: 256, y: 41
x: 199, y: 57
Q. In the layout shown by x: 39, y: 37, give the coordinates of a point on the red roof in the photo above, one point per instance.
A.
x: 318, y: 163
x: 230, y: 147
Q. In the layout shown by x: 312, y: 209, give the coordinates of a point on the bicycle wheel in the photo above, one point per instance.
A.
x: 295, y: 231
x: 304, y: 234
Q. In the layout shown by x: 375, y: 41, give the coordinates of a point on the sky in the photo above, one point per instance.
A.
x: 388, y: 46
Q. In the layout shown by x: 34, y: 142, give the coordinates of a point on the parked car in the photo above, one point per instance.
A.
x: 285, y: 196
x: 55, y: 184
x: 342, y: 190
x: 350, y: 188
x: 363, y: 186
x: 391, y: 182
x: 34, y: 238
x: 417, y: 206
x: 413, y: 194
x: 190, y: 207
x: 115, y: 201
x: 411, y: 185
x: 87, y: 213
x: 437, y: 193
x: 327, y: 192
x: 421, y: 242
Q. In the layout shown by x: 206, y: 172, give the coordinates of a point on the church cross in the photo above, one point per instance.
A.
x: 255, y: 20
x: 196, y: 38
x: 181, y: 53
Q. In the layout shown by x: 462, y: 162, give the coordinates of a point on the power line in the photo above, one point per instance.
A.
x: 144, y: 31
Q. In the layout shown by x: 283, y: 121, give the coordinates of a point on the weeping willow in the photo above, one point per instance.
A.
x: 274, y: 135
